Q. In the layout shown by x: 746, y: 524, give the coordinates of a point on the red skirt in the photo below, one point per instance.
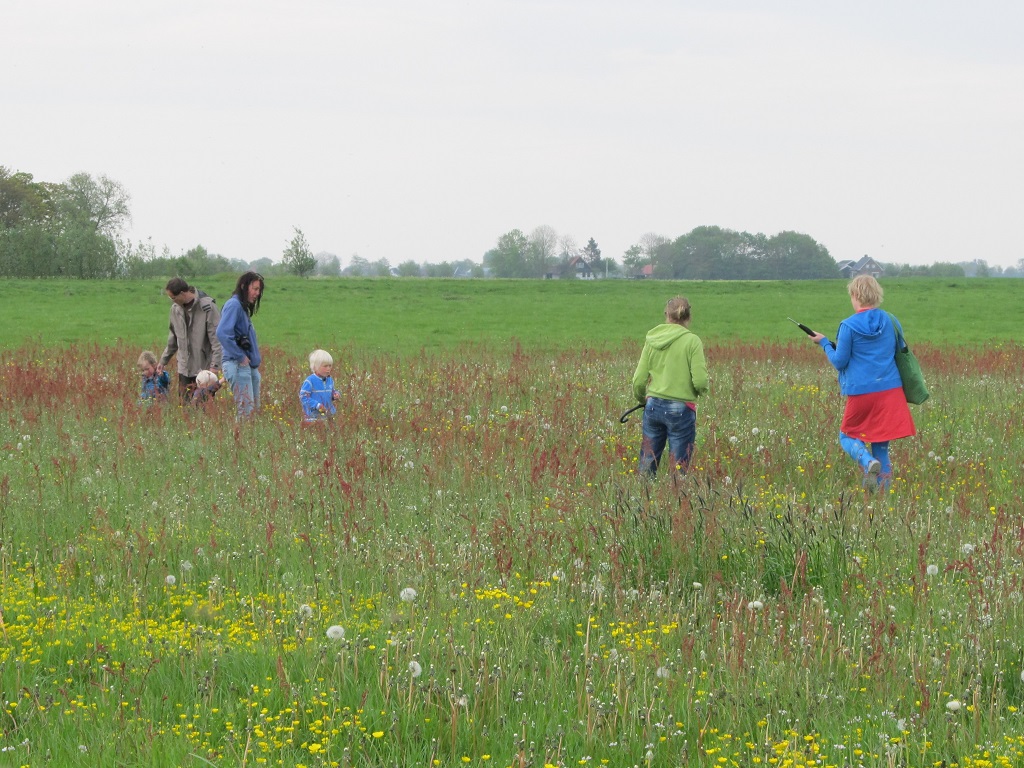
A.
x: 878, y: 416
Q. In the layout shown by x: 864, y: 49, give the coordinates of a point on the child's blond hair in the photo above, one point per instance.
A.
x: 319, y: 357
x: 147, y: 357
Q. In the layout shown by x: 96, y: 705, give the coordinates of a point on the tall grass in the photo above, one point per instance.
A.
x: 464, y: 568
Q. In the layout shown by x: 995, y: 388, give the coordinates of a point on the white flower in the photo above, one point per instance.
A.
x: 755, y: 431
x: 504, y: 409
x: 953, y: 705
x: 170, y: 580
x: 733, y: 439
x: 967, y: 549
x: 299, y: 474
x: 698, y: 585
x: 409, y: 465
x: 408, y: 594
x: 663, y: 673
x: 186, y: 566
x: 933, y: 570
x: 755, y: 605
x: 415, y: 669
x: 305, y: 611
x: 335, y: 632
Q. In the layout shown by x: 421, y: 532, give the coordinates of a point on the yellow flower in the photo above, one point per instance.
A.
x: 378, y: 734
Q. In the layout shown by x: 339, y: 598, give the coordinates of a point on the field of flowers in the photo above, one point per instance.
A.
x: 464, y: 569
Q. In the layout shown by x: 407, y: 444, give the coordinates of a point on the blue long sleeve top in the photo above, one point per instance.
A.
x: 865, y: 353
x: 234, y: 325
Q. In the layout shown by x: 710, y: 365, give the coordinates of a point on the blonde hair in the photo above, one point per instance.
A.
x: 147, y: 357
x: 865, y: 290
x: 319, y: 357
x: 677, y: 310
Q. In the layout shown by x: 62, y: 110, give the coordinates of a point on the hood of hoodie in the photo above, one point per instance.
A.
x: 870, y: 324
x: 662, y: 336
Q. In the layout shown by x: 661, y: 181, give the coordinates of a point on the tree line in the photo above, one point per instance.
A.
x: 74, y: 229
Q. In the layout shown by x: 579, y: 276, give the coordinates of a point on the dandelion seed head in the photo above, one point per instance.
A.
x: 953, y: 705
x: 170, y: 580
x: 186, y: 566
x: 305, y: 611
x: 933, y: 570
x: 335, y: 632
x: 755, y: 605
x: 299, y: 474
x: 967, y: 549
x: 663, y: 673
x: 415, y: 669
x: 408, y: 594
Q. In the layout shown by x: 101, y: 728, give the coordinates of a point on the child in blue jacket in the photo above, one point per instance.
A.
x: 317, y: 393
x: 155, y: 386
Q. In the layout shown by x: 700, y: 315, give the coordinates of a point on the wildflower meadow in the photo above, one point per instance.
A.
x: 464, y: 568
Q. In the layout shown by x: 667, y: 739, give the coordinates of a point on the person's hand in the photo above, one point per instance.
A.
x: 336, y: 395
x: 159, y: 368
x: 817, y: 337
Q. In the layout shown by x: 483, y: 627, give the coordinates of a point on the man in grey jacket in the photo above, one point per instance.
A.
x: 193, y: 335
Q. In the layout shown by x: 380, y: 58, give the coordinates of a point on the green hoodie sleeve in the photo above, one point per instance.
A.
x: 642, y: 374
x: 699, y: 369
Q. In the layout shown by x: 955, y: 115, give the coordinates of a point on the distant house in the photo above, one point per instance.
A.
x: 863, y: 266
x: 579, y: 268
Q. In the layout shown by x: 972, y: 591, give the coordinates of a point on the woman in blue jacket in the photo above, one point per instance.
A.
x: 865, y: 356
x: 237, y: 336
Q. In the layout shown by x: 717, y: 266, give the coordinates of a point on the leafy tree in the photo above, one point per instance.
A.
x: 592, y: 254
x: 328, y: 265
x: 23, y: 200
x: 541, y: 254
x: 444, y: 269
x: 297, y: 257
x: 264, y: 266
x: 358, y: 267
x: 101, y: 202
x: 509, y: 257
x: 634, y: 259
x: 380, y: 268
x: 409, y: 269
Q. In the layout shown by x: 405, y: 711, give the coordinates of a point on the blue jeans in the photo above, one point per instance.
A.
x: 245, y: 386
x: 859, y: 452
x: 672, y: 422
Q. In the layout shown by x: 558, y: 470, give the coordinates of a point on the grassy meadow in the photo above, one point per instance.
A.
x: 464, y: 569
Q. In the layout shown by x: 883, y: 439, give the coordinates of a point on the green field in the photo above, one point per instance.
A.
x: 464, y: 568
x: 408, y: 315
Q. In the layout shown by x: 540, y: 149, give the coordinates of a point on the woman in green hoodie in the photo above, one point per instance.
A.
x: 669, y: 378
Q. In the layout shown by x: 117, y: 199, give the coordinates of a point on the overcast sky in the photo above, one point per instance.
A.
x: 423, y: 130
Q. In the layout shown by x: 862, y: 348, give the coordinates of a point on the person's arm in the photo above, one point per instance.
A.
x: 306, y: 398
x: 641, y: 375
x: 170, y: 349
x: 839, y: 355
x: 226, y: 331
x: 699, y: 370
x: 212, y: 321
